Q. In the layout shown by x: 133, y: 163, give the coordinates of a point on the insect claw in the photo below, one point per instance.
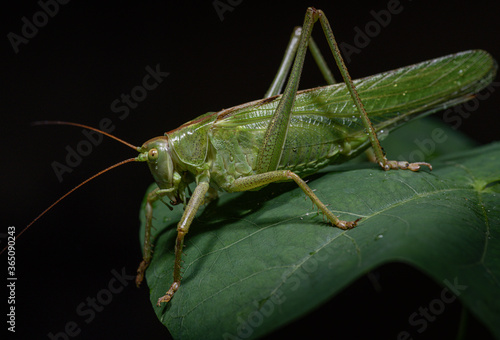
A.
x: 140, y: 272
x: 170, y: 293
x: 346, y: 225
x: 404, y: 165
x: 416, y: 166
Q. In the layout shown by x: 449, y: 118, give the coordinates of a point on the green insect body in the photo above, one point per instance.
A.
x: 325, y: 127
x: 221, y: 149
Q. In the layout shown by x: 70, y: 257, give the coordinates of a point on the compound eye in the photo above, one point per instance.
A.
x: 153, y: 155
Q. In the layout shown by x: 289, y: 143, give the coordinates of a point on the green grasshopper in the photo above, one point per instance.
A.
x: 288, y: 136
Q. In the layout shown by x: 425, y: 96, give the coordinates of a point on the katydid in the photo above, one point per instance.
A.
x: 294, y: 134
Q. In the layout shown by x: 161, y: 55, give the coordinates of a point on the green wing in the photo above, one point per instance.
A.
x: 325, y: 125
x: 416, y: 89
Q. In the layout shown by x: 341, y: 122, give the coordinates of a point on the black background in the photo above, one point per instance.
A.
x: 90, y: 53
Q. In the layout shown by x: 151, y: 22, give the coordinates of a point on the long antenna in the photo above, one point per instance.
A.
x: 57, y: 122
x: 69, y: 192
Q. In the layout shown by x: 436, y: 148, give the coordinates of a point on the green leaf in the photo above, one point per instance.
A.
x: 256, y: 260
